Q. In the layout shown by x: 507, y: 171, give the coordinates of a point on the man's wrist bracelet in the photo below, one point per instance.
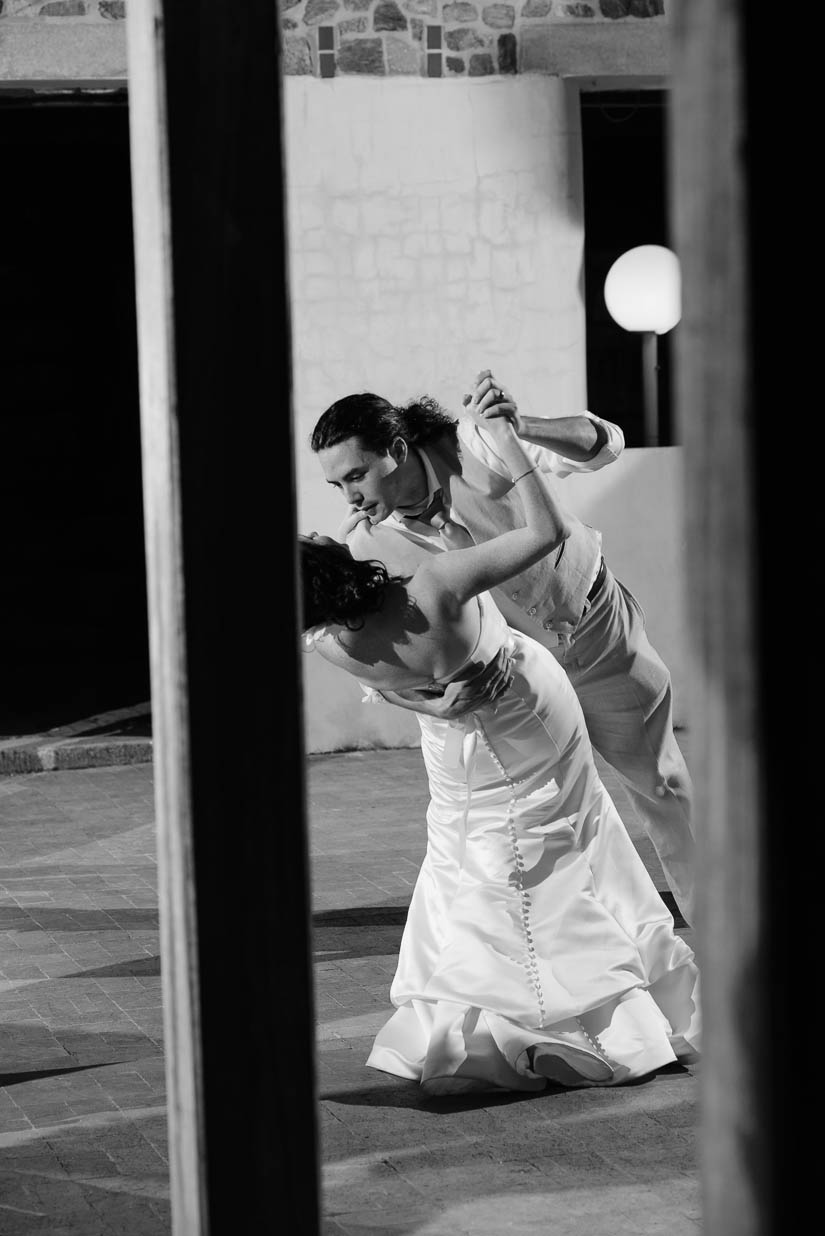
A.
x: 527, y: 473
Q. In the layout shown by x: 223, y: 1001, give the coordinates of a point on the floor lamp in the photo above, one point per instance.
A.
x: 642, y: 292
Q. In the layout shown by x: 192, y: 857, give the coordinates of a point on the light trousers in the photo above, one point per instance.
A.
x: 624, y: 688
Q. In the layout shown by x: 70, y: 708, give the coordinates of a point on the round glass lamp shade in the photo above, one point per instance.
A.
x: 643, y: 289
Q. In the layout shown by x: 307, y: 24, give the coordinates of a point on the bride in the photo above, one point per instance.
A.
x: 536, y: 946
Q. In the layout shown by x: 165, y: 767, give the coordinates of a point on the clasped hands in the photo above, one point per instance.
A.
x: 492, y: 402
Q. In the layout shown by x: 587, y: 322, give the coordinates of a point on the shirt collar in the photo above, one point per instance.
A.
x: 433, y: 486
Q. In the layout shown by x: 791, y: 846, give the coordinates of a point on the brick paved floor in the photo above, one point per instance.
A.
x: 82, y: 1105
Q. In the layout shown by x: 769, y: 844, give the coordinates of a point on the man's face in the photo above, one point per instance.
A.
x: 368, y: 481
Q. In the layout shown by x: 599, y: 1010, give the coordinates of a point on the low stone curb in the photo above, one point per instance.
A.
x: 83, y: 744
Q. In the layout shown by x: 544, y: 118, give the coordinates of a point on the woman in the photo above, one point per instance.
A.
x: 536, y: 946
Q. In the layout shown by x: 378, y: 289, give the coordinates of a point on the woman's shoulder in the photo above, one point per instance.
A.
x: 430, y: 586
x: 388, y: 544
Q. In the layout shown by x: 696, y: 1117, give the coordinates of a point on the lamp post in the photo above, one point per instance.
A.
x: 642, y: 292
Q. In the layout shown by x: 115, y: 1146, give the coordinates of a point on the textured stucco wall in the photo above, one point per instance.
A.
x: 436, y: 230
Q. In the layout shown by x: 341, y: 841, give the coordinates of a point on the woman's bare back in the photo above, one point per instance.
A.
x: 419, y: 635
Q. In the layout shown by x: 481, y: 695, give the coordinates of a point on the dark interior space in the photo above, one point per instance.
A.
x: 75, y: 638
x: 625, y: 205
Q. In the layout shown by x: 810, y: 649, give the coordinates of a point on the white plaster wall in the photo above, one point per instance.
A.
x: 435, y: 228
x: 637, y: 505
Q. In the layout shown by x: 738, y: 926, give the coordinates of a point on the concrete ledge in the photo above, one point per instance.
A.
x: 96, y: 742
x: 585, y: 49
x: 33, y: 51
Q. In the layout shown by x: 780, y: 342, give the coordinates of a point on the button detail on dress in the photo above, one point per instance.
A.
x: 532, y: 610
x: 514, y: 594
x: 547, y: 624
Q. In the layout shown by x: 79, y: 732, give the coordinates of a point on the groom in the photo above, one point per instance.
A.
x: 417, y: 481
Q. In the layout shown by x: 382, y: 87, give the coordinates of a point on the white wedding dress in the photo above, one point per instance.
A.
x: 533, y: 922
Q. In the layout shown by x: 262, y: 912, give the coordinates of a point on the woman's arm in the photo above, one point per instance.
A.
x: 466, y: 572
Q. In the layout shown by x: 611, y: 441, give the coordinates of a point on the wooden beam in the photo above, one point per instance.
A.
x: 742, y: 386
x: 214, y: 346
x: 713, y: 393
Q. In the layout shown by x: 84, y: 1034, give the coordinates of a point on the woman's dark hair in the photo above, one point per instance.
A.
x: 337, y: 588
x: 377, y: 423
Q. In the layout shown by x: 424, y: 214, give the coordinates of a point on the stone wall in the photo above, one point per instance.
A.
x: 439, y: 38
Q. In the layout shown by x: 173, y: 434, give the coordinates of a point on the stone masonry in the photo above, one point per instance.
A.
x: 430, y: 38
x: 421, y: 38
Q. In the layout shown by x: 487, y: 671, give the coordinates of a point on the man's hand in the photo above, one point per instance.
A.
x: 490, y: 402
x: 481, y: 689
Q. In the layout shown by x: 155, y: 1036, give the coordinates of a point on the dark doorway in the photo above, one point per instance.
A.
x: 625, y: 205
x: 74, y: 611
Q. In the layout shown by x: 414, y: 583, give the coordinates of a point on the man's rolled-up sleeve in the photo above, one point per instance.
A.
x: 474, y: 439
x: 560, y: 465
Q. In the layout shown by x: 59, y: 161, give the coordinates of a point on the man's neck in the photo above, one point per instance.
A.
x: 414, y: 487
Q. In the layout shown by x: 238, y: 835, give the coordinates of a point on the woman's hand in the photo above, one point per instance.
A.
x: 493, y: 404
x: 352, y: 521
x: 453, y: 534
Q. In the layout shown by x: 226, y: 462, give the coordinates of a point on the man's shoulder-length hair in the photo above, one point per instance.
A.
x: 377, y: 423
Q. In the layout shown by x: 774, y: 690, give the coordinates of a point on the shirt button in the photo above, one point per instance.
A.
x: 531, y: 610
x: 514, y: 594
x: 547, y: 625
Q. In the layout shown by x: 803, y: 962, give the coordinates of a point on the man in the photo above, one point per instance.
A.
x: 418, y: 473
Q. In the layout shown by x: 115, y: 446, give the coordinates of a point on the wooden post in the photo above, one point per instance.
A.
x: 740, y: 402
x: 214, y: 340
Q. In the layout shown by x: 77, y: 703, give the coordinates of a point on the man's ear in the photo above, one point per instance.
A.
x: 399, y: 450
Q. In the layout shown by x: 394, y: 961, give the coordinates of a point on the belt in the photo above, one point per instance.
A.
x: 598, y: 581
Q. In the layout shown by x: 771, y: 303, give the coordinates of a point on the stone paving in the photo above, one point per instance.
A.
x: 82, y: 1104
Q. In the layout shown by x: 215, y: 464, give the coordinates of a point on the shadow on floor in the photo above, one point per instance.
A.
x: 408, y: 1094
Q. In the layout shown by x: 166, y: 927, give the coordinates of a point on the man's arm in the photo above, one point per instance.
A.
x: 585, y: 440
x: 574, y: 437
